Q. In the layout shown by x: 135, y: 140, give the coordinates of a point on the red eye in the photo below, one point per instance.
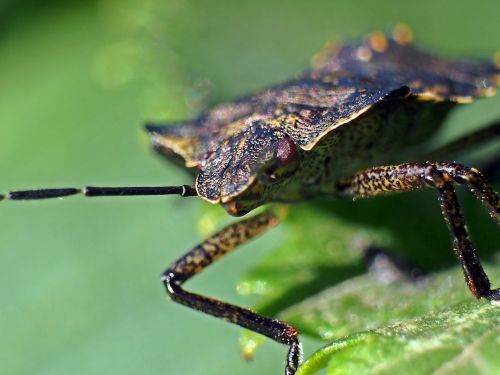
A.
x: 286, y: 151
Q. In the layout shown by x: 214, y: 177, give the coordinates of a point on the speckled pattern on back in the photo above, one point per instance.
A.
x: 387, y: 91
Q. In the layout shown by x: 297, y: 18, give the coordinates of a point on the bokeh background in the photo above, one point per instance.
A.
x: 79, y: 279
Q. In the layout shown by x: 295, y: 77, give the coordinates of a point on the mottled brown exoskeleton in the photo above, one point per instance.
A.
x: 348, y: 128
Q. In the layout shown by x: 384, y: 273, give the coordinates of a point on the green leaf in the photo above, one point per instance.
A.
x: 460, y: 340
x: 315, y: 280
x: 365, y: 302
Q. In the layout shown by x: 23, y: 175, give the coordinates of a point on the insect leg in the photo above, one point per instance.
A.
x: 201, y: 256
x: 441, y: 176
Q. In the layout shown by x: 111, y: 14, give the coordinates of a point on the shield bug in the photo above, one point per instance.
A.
x: 350, y: 127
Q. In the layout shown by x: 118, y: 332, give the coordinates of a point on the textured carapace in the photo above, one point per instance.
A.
x: 236, y: 146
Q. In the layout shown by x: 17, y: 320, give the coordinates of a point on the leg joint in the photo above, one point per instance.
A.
x: 171, y: 282
x: 437, y: 177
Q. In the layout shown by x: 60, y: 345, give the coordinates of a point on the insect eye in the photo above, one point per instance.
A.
x: 286, y: 151
x: 285, y: 162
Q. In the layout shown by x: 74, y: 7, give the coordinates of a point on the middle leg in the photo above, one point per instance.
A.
x: 440, y: 176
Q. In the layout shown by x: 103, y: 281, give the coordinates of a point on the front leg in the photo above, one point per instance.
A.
x: 440, y: 176
x: 202, y: 256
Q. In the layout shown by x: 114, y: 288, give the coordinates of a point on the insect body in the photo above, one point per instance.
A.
x: 349, y: 112
x: 353, y: 126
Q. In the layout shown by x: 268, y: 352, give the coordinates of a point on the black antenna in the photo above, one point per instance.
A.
x: 92, y: 191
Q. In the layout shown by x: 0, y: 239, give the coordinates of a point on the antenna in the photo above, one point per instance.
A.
x: 93, y: 191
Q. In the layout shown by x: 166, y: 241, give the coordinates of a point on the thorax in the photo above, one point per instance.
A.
x: 391, y: 132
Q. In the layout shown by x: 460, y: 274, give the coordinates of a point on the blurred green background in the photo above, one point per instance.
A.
x: 79, y: 279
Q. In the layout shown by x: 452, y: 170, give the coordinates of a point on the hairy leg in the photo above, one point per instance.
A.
x: 442, y: 177
x: 201, y: 256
